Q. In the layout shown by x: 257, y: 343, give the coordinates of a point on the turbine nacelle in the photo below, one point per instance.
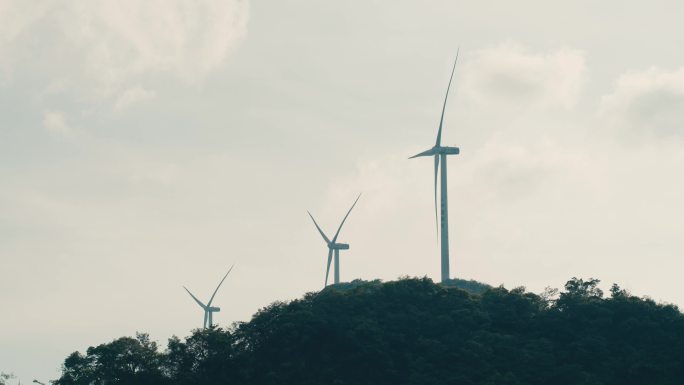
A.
x: 338, y: 246
x: 449, y: 150
x: 438, y: 151
x: 213, y: 309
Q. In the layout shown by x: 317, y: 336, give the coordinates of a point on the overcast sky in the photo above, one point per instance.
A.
x: 146, y: 145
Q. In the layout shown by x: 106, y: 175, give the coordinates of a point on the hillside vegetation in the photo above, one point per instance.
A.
x: 413, y: 331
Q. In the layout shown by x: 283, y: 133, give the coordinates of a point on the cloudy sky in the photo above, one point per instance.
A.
x: 146, y: 145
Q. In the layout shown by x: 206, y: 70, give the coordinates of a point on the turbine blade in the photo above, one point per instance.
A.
x: 441, y: 119
x: 195, y: 298
x: 327, y: 270
x: 219, y: 285
x: 319, y: 229
x: 424, y: 153
x: 345, y: 218
x: 436, y: 215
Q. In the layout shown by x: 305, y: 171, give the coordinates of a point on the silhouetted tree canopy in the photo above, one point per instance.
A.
x: 413, y: 331
x: 471, y: 286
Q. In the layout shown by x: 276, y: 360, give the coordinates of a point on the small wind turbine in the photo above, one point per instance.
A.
x: 208, y: 309
x: 333, y: 246
x: 440, y: 153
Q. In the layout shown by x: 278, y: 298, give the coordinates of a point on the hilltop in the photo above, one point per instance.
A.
x: 414, y: 331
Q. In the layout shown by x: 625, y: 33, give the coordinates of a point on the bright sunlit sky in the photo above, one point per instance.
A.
x: 146, y: 145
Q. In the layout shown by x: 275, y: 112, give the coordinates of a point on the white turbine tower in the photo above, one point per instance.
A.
x: 440, y: 154
x: 208, y: 309
x: 333, y: 246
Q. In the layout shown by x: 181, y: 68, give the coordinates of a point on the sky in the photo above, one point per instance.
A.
x: 147, y: 145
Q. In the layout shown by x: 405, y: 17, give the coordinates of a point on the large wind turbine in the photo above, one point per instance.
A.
x: 440, y: 153
x: 208, y: 309
x: 333, y: 246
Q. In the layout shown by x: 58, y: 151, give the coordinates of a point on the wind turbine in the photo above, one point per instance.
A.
x: 440, y: 154
x: 208, y: 309
x: 333, y: 246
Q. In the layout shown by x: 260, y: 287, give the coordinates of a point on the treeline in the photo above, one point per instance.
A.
x: 413, y: 331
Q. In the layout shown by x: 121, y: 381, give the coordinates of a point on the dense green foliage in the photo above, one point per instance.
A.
x: 471, y: 286
x: 413, y: 331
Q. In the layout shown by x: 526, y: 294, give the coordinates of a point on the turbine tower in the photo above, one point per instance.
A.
x: 208, y: 309
x: 440, y: 154
x: 333, y: 246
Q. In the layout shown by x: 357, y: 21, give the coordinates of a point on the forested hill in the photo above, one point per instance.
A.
x: 413, y: 331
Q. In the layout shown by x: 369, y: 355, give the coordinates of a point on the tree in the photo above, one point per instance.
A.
x: 413, y: 331
x: 616, y: 292
x: 585, y: 289
x: 206, y: 356
x: 123, y: 361
x: 578, y: 291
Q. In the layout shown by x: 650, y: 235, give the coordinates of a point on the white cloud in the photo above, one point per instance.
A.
x: 56, y: 124
x: 510, y: 73
x: 131, y: 96
x: 103, y: 47
x: 15, y: 18
x: 650, y: 101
